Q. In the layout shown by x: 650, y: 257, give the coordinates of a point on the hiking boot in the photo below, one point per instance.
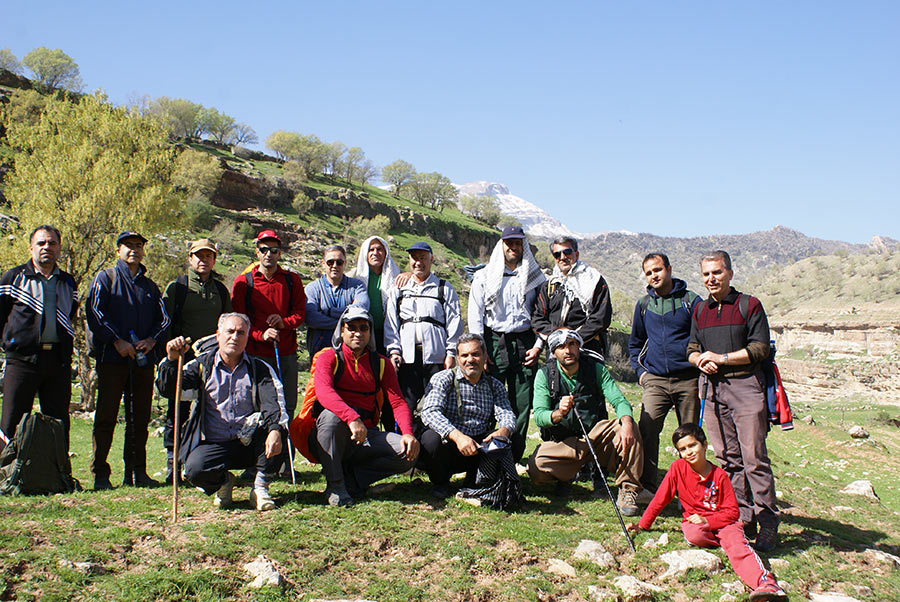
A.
x: 225, y: 494
x: 335, y: 498
x: 142, y: 479
x: 750, y: 530
x: 644, y: 497
x: 128, y: 479
x: 441, y: 492
x: 599, y: 483
x: 768, y: 592
x: 627, y: 502
x: 767, y: 539
x: 381, y: 488
x: 260, y: 498
x: 102, y: 483
x: 584, y: 473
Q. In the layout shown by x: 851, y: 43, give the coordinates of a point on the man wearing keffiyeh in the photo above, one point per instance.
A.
x: 501, y: 301
x: 576, y: 296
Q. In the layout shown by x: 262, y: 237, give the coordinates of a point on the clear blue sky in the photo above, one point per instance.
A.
x: 677, y: 118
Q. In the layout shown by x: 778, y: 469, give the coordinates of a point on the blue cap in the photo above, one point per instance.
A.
x: 420, y: 246
x: 129, y: 234
x: 512, y: 232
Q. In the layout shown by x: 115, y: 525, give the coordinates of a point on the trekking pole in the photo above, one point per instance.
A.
x: 290, y: 446
x: 176, y: 469
x: 129, y: 453
x: 703, y: 399
x: 602, y: 475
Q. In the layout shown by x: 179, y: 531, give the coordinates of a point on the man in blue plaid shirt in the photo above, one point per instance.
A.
x: 464, y: 409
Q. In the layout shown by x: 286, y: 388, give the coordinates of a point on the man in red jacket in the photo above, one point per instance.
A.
x: 275, y: 302
x: 353, y: 453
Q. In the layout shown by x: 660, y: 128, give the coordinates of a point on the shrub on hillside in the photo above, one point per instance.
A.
x: 200, y: 214
x: 227, y: 234
x: 375, y: 226
x: 302, y: 203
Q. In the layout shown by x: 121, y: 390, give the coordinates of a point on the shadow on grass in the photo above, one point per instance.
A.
x: 819, y: 531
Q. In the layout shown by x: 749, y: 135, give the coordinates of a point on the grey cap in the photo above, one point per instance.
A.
x: 353, y: 312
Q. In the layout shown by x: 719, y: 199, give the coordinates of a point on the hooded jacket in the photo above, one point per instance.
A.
x: 660, y: 331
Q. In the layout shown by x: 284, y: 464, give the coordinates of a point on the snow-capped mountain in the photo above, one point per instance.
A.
x: 535, y: 221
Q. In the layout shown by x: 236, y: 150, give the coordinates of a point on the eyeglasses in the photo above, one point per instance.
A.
x: 331, y: 262
x: 567, y: 251
x: 358, y: 327
x: 266, y: 250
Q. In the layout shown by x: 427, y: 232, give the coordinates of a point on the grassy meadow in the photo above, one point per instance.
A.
x: 403, y: 545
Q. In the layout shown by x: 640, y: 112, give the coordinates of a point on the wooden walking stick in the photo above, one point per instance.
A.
x: 176, y: 469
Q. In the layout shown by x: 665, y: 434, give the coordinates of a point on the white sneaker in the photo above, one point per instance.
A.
x: 260, y: 498
x: 224, y: 496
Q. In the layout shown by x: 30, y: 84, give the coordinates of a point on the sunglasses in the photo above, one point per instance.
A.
x: 266, y: 250
x: 357, y: 327
x: 567, y: 251
x: 331, y: 262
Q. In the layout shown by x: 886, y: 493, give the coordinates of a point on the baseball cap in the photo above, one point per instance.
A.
x: 128, y: 234
x: 203, y: 243
x: 268, y: 234
x: 420, y: 246
x: 512, y: 232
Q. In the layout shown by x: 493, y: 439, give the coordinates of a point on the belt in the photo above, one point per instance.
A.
x: 49, y: 346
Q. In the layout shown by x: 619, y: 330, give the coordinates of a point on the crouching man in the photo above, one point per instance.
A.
x: 464, y: 408
x: 572, y: 380
x: 237, y: 420
x: 351, y: 388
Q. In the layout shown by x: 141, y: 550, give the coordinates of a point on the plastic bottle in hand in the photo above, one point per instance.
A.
x: 140, y: 357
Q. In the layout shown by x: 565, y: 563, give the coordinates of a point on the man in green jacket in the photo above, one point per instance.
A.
x: 194, y: 302
x: 573, y: 382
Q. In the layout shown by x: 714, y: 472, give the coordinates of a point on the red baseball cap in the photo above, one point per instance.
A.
x: 268, y: 234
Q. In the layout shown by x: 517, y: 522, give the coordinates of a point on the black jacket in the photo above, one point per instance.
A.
x: 268, y: 398
x: 22, y: 308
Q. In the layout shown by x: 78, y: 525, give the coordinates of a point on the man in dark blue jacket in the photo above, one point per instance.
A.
x: 38, y: 304
x: 128, y: 323
x: 660, y: 332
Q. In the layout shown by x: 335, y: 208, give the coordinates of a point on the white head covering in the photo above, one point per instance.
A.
x: 389, y: 271
x: 528, y: 274
x: 579, y: 283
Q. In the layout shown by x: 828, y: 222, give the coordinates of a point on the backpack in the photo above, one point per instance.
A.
x: 558, y: 432
x: 181, y: 291
x: 777, y: 404
x: 310, y: 408
x: 440, y: 299
x: 93, y: 347
x: 248, y: 278
x: 36, y: 461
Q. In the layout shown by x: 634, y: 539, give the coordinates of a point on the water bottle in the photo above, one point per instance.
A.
x: 140, y: 358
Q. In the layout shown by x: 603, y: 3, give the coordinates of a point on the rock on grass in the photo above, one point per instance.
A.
x: 680, y: 561
x: 595, y: 552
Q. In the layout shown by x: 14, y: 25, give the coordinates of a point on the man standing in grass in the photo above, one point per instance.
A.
x: 127, y: 319
x: 239, y: 413
x: 729, y: 343
x: 352, y: 384
x: 194, y: 302
x: 422, y: 325
x: 38, y: 304
x: 500, y: 305
x: 378, y: 270
x: 574, y: 385
x: 327, y: 297
x: 660, y: 332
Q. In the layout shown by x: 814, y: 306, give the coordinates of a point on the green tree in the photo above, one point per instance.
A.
x: 508, y: 220
x: 9, y: 61
x: 53, y: 69
x: 281, y: 143
x: 217, y: 124
x: 310, y: 153
x: 353, y: 162
x: 398, y: 174
x: 181, y: 117
x: 197, y: 175
x: 367, y: 171
x: 483, y: 208
x: 92, y: 170
x: 334, y: 158
x: 434, y: 190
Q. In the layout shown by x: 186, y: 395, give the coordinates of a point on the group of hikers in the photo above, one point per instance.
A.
x: 398, y: 383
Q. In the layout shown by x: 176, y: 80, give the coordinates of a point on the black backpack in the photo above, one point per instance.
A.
x: 181, y: 292
x: 36, y: 461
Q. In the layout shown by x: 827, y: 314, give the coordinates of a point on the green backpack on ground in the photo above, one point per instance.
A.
x: 36, y: 461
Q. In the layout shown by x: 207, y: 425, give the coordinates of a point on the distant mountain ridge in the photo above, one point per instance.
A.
x: 536, y: 222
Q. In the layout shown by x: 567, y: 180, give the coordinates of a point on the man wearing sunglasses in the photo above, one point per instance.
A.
x: 576, y: 296
x: 275, y: 301
x: 328, y: 297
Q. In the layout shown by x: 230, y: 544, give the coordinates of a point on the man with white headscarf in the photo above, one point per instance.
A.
x: 377, y: 270
x: 571, y: 390
x: 501, y: 301
x: 576, y: 296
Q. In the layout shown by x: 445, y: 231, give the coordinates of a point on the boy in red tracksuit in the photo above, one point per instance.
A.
x: 710, y: 511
